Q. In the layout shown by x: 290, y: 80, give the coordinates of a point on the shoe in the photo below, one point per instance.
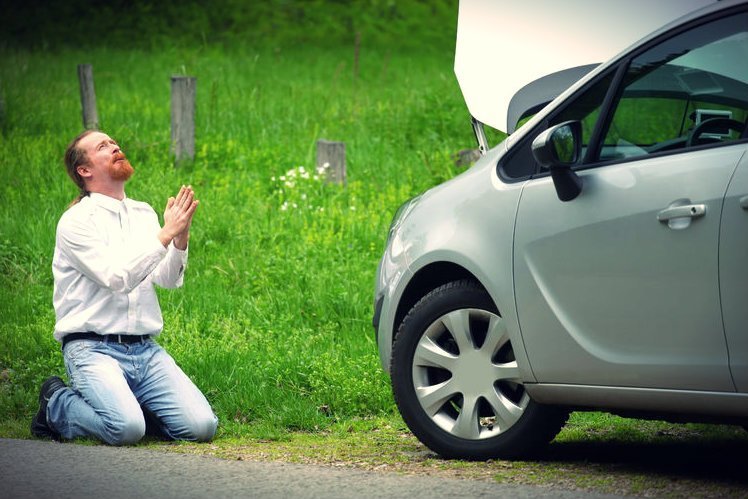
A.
x: 39, y: 426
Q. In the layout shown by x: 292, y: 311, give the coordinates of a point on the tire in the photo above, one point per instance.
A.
x: 457, y: 384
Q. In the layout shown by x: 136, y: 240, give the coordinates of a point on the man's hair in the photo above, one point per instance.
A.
x: 75, y: 157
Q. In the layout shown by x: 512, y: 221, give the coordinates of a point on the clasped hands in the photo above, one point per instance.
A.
x: 178, y: 218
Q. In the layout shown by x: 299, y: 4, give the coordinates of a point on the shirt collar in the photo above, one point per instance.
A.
x: 111, y: 204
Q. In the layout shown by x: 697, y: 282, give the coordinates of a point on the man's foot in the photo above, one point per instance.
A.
x: 39, y: 426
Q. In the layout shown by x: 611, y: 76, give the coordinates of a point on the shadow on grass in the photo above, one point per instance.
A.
x: 722, y: 460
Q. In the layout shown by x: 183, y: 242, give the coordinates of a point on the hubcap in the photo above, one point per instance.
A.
x: 465, y: 375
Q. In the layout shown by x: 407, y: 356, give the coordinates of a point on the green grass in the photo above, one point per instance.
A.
x: 274, y: 322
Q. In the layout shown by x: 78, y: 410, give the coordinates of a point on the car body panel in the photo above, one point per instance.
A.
x: 603, y: 286
x: 695, y: 405
x: 449, y: 224
x: 733, y: 274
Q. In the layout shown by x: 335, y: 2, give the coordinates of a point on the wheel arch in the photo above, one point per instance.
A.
x: 427, y: 279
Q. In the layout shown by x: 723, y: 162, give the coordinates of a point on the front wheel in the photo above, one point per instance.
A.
x: 456, y: 381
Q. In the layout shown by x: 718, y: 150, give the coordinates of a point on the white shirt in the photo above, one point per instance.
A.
x: 107, y: 259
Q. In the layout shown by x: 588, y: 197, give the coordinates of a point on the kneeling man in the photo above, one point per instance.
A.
x: 110, y: 251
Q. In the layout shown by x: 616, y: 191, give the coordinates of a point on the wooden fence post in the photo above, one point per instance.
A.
x: 356, y: 55
x: 88, y: 97
x: 183, y: 118
x: 466, y: 157
x: 331, y: 157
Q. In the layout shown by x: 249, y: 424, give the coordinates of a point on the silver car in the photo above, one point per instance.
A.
x: 596, y: 259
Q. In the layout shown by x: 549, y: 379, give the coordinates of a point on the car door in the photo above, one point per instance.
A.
x: 733, y: 273
x: 620, y: 286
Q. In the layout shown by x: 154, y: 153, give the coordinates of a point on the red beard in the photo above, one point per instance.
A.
x: 120, y: 168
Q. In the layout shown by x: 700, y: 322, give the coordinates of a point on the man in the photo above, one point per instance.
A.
x: 109, y: 253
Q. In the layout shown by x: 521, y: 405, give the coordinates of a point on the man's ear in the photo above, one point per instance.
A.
x: 84, y: 171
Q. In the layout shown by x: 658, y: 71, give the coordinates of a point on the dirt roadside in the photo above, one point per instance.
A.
x: 675, y: 463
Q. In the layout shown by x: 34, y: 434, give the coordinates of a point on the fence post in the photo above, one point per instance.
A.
x: 356, y: 55
x: 331, y: 157
x: 88, y: 97
x: 183, y: 118
x: 466, y: 157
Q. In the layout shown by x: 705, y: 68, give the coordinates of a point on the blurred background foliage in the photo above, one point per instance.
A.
x: 144, y: 24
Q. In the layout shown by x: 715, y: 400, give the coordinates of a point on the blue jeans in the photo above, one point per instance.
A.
x: 112, y: 383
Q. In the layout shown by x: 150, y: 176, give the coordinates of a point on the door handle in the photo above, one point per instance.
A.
x: 685, y: 211
x: 744, y: 202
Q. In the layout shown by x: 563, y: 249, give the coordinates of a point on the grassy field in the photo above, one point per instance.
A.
x: 274, y: 322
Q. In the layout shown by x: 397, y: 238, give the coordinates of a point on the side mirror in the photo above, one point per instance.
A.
x: 558, y: 149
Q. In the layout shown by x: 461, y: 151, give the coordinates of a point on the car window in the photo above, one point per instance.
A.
x: 519, y: 164
x: 689, y: 91
x: 585, y: 108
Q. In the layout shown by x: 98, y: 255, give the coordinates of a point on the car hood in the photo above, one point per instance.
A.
x: 514, y: 57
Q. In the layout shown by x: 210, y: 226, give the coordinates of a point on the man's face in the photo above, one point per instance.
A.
x: 104, y: 157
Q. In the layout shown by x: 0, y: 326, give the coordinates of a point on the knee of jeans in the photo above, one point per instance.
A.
x: 205, y: 429
x: 127, y: 431
x: 200, y: 429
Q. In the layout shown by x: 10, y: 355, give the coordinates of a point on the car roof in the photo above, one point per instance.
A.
x: 512, y: 58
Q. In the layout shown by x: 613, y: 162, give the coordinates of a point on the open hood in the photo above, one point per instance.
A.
x: 514, y: 56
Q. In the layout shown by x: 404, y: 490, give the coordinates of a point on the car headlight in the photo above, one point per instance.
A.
x: 400, y: 215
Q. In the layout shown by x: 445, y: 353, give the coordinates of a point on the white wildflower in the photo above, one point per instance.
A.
x: 321, y: 170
